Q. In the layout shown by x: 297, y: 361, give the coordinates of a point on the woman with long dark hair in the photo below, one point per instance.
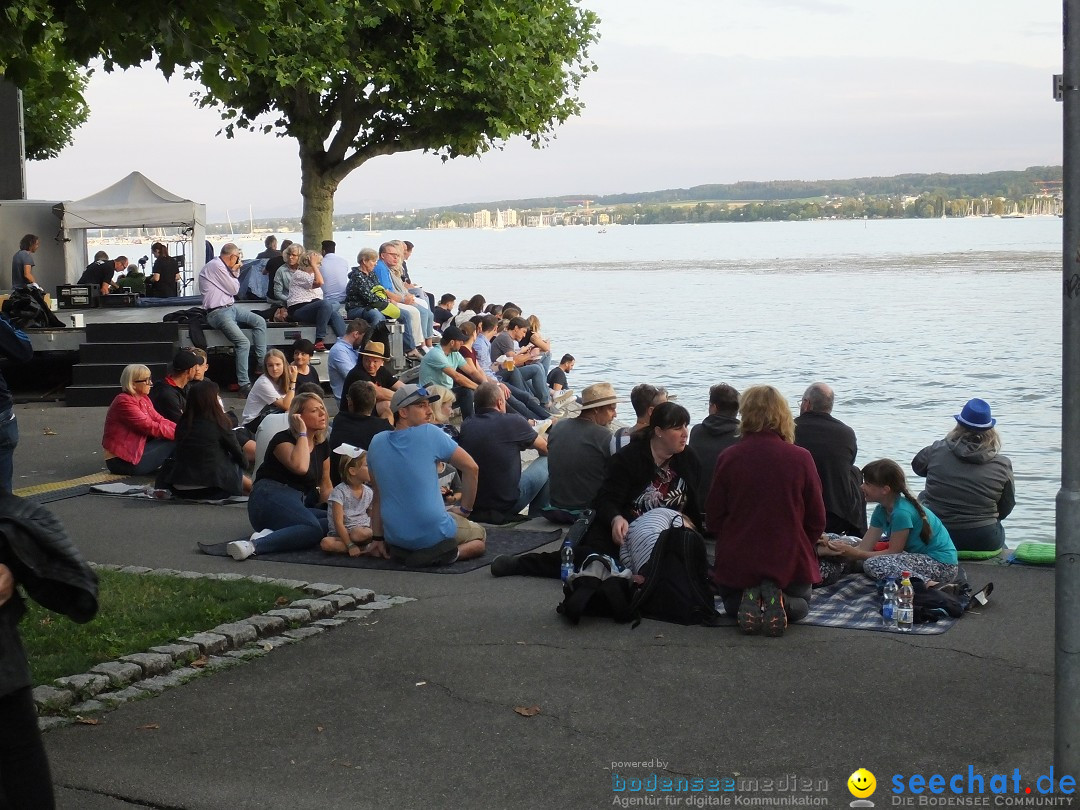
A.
x: 208, y: 463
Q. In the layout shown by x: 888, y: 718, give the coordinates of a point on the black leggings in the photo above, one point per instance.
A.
x: 25, y: 783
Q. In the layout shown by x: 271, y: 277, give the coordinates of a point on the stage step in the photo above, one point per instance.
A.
x: 109, y: 373
x: 125, y: 353
x: 90, y: 396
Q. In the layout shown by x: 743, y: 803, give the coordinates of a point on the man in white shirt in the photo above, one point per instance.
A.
x: 335, y: 273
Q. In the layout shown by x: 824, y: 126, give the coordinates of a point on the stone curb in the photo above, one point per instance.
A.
x: 142, y: 675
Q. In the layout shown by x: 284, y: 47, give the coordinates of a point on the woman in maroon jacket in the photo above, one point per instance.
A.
x: 766, y: 511
x: 137, y: 438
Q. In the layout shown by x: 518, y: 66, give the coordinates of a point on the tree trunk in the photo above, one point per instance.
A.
x: 317, y: 187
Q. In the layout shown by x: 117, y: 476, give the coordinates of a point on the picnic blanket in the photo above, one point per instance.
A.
x: 147, y: 492
x: 500, y: 540
x: 854, y: 603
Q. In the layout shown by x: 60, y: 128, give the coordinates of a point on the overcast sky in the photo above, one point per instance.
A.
x: 688, y: 92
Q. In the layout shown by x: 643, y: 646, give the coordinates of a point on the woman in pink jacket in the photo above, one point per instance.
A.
x: 137, y: 438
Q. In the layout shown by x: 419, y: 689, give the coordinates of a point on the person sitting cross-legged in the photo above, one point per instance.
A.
x: 408, y: 514
x: 495, y: 439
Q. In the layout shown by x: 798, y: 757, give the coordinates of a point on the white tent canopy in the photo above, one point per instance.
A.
x: 134, y: 202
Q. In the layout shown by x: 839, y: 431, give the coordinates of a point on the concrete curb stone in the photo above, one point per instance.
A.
x: 142, y: 675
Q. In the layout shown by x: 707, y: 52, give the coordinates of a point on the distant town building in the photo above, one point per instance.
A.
x: 482, y: 219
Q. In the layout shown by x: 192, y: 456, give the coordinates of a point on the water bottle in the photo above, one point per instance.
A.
x: 566, y: 555
x: 905, y: 604
x: 888, y: 604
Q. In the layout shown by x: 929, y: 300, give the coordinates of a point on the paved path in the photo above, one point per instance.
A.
x: 417, y: 710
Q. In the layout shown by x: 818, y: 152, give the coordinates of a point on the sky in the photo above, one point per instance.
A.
x: 687, y: 92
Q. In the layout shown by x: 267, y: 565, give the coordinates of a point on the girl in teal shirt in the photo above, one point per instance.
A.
x: 903, y: 536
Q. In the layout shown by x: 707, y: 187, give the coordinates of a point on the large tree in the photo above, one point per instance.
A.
x: 351, y: 80
x: 53, y: 103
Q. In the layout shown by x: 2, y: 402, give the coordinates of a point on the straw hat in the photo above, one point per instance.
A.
x: 598, y: 395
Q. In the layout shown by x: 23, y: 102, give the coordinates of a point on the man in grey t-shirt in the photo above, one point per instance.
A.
x: 579, y: 449
x: 22, y: 263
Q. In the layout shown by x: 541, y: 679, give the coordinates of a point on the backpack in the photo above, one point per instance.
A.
x: 676, y: 587
x: 600, y: 588
x: 936, y: 603
x: 26, y: 309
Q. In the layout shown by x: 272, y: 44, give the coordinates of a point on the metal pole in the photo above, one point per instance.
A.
x: 12, y: 150
x: 1067, y: 574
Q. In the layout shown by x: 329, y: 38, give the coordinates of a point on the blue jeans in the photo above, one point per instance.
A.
x: 273, y: 505
x: 228, y: 321
x: 530, y: 377
x: 322, y: 313
x: 372, y: 316
x: 525, y: 403
x: 154, y: 454
x: 533, y: 490
x: 427, y: 321
x: 464, y: 398
x: 9, y: 438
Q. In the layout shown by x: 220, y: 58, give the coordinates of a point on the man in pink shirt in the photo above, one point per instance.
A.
x: 218, y: 284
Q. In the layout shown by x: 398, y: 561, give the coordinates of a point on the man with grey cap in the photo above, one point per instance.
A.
x: 578, y: 453
x: 170, y: 395
x: 408, y: 516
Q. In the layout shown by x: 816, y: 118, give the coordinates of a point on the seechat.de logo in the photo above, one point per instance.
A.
x: 861, y: 784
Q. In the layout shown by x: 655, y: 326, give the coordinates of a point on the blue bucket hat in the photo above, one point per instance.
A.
x: 976, y: 415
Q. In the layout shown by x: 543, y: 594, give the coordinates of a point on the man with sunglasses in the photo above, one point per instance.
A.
x: 219, y: 283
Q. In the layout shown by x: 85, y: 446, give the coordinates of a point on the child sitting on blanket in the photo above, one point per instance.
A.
x: 349, y: 502
x: 917, y: 540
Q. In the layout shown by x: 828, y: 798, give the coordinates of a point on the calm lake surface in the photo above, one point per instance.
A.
x: 906, y: 319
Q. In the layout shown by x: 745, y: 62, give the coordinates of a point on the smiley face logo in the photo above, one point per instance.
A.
x: 861, y: 783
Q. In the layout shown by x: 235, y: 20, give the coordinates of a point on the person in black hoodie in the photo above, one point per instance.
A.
x: 35, y: 552
x: 718, y: 431
x: 207, y: 463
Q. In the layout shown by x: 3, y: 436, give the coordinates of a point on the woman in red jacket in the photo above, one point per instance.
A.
x: 765, y: 508
x: 137, y: 438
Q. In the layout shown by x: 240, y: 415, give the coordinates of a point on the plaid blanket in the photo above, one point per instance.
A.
x: 854, y: 603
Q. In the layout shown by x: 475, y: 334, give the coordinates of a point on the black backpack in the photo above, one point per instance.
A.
x: 676, y: 587
x: 26, y: 309
x: 600, y: 588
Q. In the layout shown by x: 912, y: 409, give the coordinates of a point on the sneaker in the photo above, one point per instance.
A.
x: 240, y: 549
x: 505, y: 565
x: 541, y: 426
x: 256, y: 535
x: 772, y: 608
x: 750, y: 611
x: 564, y: 396
x: 244, y: 390
x: 320, y: 346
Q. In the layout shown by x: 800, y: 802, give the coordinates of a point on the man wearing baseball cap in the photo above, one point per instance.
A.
x: 408, y: 515
x: 170, y: 397
x: 441, y: 365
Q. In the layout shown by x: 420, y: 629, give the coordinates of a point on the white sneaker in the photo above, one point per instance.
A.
x: 542, y: 426
x: 256, y: 535
x: 564, y: 396
x: 240, y: 549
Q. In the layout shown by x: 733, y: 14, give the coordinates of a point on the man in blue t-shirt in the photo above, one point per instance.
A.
x: 408, y: 515
x: 495, y: 439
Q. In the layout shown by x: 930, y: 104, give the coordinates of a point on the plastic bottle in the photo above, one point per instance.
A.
x: 566, y: 555
x: 888, y: 604
x: 905, y: 604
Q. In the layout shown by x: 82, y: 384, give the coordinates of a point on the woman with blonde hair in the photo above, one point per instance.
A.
x: 137, y: 439
x: 295, y: 471
x: 272, y: 392
x: 765, y: 509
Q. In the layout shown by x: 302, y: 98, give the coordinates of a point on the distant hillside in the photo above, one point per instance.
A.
x: 1011, y: 184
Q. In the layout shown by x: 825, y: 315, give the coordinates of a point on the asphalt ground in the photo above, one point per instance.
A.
x: 416, y: 708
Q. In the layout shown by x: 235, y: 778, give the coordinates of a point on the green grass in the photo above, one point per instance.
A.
x: 138, y: 612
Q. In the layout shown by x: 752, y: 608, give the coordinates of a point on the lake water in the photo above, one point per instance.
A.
x: 906, y: 319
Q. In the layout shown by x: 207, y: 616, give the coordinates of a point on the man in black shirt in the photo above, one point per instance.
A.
x: 170, y: 395
x: 272, y: 265
x: 164, y: 273
x: 271, y: 248
x: 100, y: 272
x: 356, y: 425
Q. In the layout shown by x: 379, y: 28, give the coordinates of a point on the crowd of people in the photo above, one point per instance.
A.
x: 394, y: 476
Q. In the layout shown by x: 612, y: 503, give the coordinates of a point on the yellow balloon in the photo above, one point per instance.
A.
x: 861, y: 783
